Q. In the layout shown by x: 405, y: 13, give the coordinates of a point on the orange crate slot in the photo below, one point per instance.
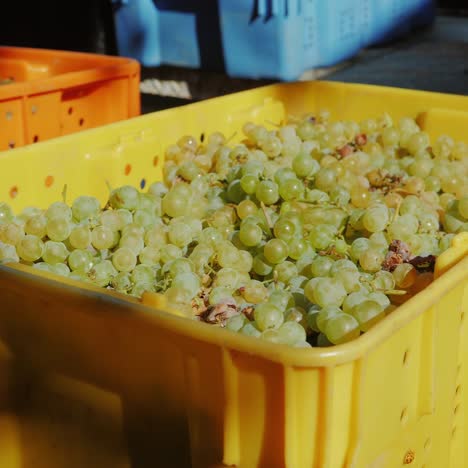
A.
x: 48, y: 93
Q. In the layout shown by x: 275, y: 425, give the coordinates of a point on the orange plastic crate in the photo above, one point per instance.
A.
x: 53, y: 93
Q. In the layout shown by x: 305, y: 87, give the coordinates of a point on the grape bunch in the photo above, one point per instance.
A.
x: 307, y: 235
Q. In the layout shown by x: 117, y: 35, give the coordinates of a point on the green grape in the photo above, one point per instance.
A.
x: 125, y: 217
x: 291, y: 189
x: 322, y: 236
x: 285, y: 271
x: 85, y: 208
x: 6, y: 213
x: 291, y: 333
x: 305, y: 166
x: 134, y: 242
x: 124, y: 259
x: 236, y: 322
x: 36, y: 226
x: 376, y: 218
x: 58, y: 229
x: 157, y: 189
x: 54, y: 252
x: 220, y: 295
x: 325, y: 314
x: 298, y: 247
x: 122, y: 282
x: 380, y: 298
x: 250, y: 234
x: 249, y: 329
x: 59, y: 210
x: 80, y: 260
x: 341, y: 328
x: 282, y: 299
x: 143, y: 274
x: 371, y: 260
x: 321, y: 265
x: 101, y: 273
x: 383, y: 281
x: 177, y: 201
x: 268, y: 316
x: 463, y: 207
x: 255, y: 292
x: 368, y: 313
x: 285, y: 229
x: 179, y: 234
x: 30, y: 248
x: 275, y: 251
x: 329, y: 292
x: 80, y: 237
x: 267, y: 192
x: 352, y: 300
x: 103, y: 237
x: 60, y: 269
x: 350, y: 279
x: 8, y: 253
x: 139, y: 288
x: 149, y: 256
x: 246, y: 209
x: 244, y: 262
x: 187, y: 281
x: 126, y: 197
x: 11, y: 233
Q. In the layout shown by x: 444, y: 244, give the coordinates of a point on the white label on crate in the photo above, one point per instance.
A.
x: 170, y: 88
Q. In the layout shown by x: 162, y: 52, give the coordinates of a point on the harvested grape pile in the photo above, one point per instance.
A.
x: 308, y: 234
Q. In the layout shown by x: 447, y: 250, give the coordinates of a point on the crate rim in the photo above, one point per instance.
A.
x: 110, y: 67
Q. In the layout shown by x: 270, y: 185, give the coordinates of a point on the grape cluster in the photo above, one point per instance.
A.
x: 306, y: 235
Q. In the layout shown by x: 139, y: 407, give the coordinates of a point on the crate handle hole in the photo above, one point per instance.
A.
x: 142, y: 183
x: 155, y: 161
x: 70, y: 110
x: 14, y: 191
x: 35, y: 138
x: 202, y: 137
x: 405, y: 357
x: 427, y: 444
x: 455, y: 410
x: 49, y: 181
x: 81, y: 122
x: 462, y: 315
x: 458, y: 389
x: 11, y: 144
x: 128, y: 169
x: 404, y: 416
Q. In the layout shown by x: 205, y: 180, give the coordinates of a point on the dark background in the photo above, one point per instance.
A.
x: 434, y: 59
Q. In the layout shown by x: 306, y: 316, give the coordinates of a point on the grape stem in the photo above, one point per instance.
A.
x: 267, y: 217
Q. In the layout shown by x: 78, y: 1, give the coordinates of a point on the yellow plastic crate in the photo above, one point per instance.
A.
x: 89, y: 379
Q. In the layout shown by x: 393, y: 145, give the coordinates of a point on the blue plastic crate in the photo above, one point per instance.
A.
x: 277, y: 39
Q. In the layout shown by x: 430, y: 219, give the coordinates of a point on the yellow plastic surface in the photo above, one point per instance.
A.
x: 88, y: 378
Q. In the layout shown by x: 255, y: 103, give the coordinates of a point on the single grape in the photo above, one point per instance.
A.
x: 268, y: 316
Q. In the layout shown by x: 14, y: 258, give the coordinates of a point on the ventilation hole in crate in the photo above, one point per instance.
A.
x: 155, y: 161
x: 14, y: 191
x: 455, y: 410
x: 404, y: 416
x: 8, y: 115
x: 35, y: 138
x: 202, y: 137
x: 34, y: 109
x: 142, y: 183
x: 128, y: 169
x: 11, y: 144
x: 427, y: 444
x: 408, y: 458
x: 81, y: 122
x: 462, y: 315
x: 70, y: 110
x: 405, y: 357
x: 49, y: 180
x: 458, y: 390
